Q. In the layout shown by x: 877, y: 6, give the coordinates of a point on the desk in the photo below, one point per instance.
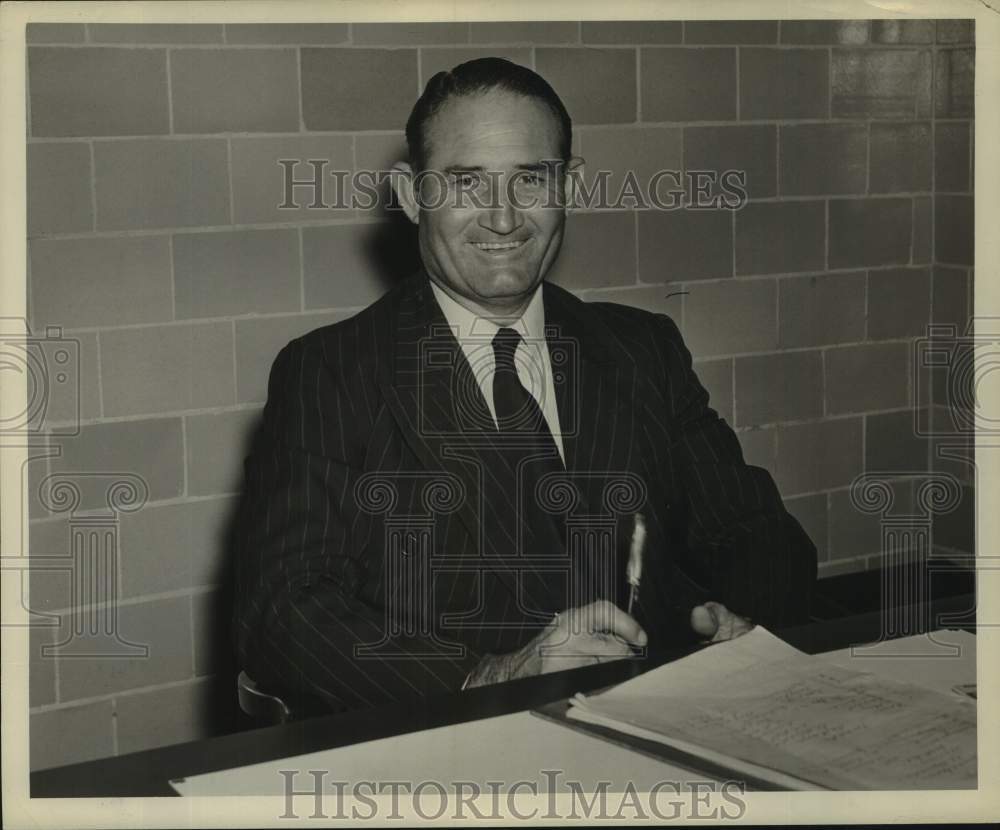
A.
x: 147, y: 773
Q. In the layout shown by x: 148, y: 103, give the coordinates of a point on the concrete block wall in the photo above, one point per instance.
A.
x: 951, y: 395
x: 156, y: 243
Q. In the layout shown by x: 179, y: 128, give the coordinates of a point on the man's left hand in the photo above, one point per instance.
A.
x: 716, y: 623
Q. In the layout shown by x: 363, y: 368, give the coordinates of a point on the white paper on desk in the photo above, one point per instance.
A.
x: 939, y: 660
x: 514, y: 747
x: 813, y: 723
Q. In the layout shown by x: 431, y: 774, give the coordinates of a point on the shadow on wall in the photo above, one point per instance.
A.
x: 391, y: 246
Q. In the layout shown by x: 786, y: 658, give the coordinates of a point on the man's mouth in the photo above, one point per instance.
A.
x: 500, y: 247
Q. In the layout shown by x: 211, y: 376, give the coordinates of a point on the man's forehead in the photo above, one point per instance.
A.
x: 496, y: 128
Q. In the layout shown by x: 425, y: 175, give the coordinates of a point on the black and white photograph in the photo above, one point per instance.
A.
x: 423, y: 419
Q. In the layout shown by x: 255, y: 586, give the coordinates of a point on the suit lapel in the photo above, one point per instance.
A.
x: 598, y: 408
x: 595, y: 384
x: 433, y: 395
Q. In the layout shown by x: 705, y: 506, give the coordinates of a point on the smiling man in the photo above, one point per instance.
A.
x: 487, y: 166
x: 445, y: 487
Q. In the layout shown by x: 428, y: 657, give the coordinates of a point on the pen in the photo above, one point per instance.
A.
x: 633, y: 572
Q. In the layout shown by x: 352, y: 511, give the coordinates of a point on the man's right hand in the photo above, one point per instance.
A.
x: 593, y: 633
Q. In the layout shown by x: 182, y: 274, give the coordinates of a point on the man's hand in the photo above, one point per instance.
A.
x: 716, y: 623
x: 593, y: 633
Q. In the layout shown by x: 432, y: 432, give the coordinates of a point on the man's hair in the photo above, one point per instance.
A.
x: 477, y: 77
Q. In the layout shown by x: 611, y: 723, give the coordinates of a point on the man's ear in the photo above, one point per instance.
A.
x: 402, y: 184
x: 572, y: 179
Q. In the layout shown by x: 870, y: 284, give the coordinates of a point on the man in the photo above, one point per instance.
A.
x: 445, y: 487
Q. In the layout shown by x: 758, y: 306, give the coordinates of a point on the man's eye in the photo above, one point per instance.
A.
x: 466, y: 179
x: 534, y: 180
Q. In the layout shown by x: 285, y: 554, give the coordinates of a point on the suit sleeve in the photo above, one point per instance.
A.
x: 303, y: 605
x: 749, y: 552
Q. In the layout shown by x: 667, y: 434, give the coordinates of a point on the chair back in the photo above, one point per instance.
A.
x: 259, y: 705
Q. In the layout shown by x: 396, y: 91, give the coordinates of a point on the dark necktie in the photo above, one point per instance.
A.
x: 516, y: 408
x: 528, y: 452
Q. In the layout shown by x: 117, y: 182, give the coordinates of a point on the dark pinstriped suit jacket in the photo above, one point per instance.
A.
x: 360, y: 578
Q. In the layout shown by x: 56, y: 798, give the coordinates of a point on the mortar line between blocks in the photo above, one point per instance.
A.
x: 27, y: 95
x: 635, y: 240
x: 229, y: 177
x: 867, y: 289
x: 93, y: 187
x: 56, y: 677
x: 822, y: 380
x: 184, y: 456
x: 170, y: 96
x: 732, y: 380
x: 193, y: 640
x: 826, y: 234
x: 638, y: 84
x: 302, y: 270
x: 864, y: 443
x: 298, y: 85
x: 868, y: 158
x: 829, y: 83
x: 100, y: 371
x: 114, y: 726
x: 236, y: 375
x: 738, y: 58
x: 110, y: 697
x: 173, y: 279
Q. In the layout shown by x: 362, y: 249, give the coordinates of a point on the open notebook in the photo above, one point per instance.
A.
x: 758, y: 707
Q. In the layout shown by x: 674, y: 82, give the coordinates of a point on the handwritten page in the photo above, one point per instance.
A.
x: 938, y: 660
x: 797, y: 720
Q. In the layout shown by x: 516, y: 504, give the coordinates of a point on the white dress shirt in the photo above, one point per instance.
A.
x: 534, y: 368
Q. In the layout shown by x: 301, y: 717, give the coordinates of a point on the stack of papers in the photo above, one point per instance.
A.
x: 757, y: 706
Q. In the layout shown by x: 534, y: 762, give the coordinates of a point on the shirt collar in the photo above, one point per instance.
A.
x: 466, y: 324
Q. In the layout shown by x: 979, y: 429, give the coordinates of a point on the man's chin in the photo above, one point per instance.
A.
x: 507, y: 284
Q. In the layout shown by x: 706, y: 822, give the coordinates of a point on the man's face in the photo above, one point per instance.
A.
x: 491, y: 235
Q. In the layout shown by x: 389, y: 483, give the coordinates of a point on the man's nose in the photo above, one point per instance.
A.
x: 501, y: 216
